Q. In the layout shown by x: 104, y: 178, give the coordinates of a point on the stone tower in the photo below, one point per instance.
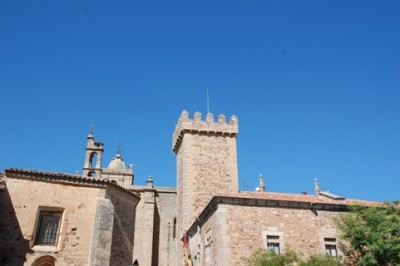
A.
x: 206, y: 163
x: 93, y: 157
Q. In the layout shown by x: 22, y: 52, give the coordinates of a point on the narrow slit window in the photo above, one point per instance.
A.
x: 174, y: 229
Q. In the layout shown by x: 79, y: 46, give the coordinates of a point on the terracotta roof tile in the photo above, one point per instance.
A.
x: 35, y: 174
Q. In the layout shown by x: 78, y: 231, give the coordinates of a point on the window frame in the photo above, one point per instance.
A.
x: 43, y: 212
x: 273, y: 243
x: 273, y: 239
x: 330, y: 245
x: 275, y: 247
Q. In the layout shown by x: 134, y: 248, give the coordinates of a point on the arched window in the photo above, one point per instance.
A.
x: 92, y: 174
x: 44, y: 261
x: 93, y: 160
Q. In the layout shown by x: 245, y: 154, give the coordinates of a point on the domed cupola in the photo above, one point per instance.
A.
x: 117, y: 171
x: 117, y: 164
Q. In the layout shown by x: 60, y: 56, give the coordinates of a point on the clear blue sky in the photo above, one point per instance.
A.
x: 315, y: 85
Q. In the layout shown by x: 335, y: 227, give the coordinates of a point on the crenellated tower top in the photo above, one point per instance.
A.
x: 203, y: 127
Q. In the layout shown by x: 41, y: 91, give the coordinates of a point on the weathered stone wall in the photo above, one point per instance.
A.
x: 154, y: 240
x: 166, y: 205
x: 122, y: 179
x: 144, y: 224
x: 209, y: 166
x: 123, y: 226
x: 204, y: 243
x: 13, y: 246
x: 206, y: 163
x: 238, y: 231
x: 20, y: 219
x: 102, y: 233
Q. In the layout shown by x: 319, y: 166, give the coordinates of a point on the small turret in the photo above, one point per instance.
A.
x: 150, y: 182
x: 93, y: 157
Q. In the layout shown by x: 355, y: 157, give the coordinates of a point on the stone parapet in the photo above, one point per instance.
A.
x: 207, y: 127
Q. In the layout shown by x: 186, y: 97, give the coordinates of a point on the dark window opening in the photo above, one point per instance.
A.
x: 48, y: 228
x: 330, y: 247
x: 174, y: 229
x: 273, y: 244
x: 93, y: 160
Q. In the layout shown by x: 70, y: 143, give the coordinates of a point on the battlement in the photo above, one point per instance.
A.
x: 207, y: 127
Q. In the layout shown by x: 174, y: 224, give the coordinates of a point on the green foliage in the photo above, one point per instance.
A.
x: 319, y: 260
x: 373, y: 234
x: 264, y: 257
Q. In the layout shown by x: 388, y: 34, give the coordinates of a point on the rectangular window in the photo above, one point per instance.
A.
x: 330, y: 247
x: 48, y: 228
x: 273, y: 243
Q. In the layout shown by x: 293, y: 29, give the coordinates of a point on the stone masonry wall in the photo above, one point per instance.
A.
x: 210, y: 239
x: 123, y: 226
x: 102, y: 233
x: 166, y: 205
x: 144, y: 224
x: 77, y: 221
x: 206, y: 163
x: 302, y: 230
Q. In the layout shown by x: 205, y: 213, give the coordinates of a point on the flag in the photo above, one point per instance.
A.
x: 186, y: 248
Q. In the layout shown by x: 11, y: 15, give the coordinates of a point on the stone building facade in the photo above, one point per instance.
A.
x: 69, y: 219
x: 235, y: 225
x: 103, y: 218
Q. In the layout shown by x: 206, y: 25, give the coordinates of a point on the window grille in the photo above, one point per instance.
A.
x: 48, y: 228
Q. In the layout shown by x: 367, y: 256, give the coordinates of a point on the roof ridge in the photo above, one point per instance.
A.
x: 75, y: 177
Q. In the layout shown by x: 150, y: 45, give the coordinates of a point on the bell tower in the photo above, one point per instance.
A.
x: 93, y: 157
x: 206, y: 163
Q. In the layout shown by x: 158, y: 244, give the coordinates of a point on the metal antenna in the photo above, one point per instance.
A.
x: 208, y: 103
x: 119, y: 147
x: 245, y: 186
x: 92, y: 128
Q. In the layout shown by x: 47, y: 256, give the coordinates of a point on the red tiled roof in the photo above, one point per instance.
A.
x: 35, y: 174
